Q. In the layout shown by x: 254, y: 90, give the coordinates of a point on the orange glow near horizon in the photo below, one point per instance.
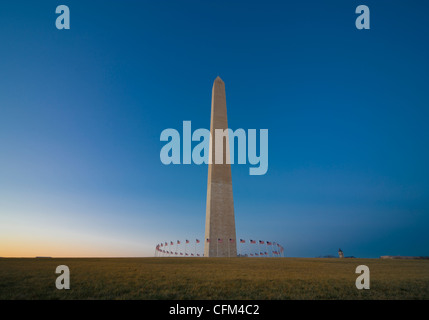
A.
x: 34, y: 246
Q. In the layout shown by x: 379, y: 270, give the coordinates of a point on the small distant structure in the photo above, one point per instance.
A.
x: 42, y: 257
x: 340, y: 253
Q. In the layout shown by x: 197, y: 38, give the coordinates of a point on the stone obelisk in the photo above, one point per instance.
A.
x: 220, y: 240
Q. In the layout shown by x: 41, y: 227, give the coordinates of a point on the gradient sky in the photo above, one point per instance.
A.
x: 81, y: 112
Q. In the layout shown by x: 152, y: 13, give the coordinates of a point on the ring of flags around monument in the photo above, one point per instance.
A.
x: 195, y: 248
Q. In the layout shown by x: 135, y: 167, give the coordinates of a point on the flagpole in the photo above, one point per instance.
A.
x: 249, y: 247
x: 239, y: 248
x: 228, y: 248
x: 217, y: 248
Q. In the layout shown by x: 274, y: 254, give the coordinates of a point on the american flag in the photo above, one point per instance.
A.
x: 175, y: 253
x: 219, y: 240
x: 187, y: 241
x: 251, y: 254
x: 242, y: 241
x: 261, y: 242
x: 269, y: 243
x: 171, y: 243
x: 181, y: 254
x: 192, y: 254
x: 166, y: 244
x: 178, y: 242
x: 231, y: 240
x: 256, y: 254
x: 161, y: 244
x: 198, y: 241
x: 207, y: 240
x: 252, y: 241
x: 186, y: 254
x: 198, y: 254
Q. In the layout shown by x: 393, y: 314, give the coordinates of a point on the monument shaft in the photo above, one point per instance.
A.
x: 220, y: 238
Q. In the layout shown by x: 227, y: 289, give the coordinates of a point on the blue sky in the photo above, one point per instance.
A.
x: 81, y: 112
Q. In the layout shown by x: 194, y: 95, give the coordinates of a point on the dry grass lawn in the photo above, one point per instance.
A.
x: 213, y: 278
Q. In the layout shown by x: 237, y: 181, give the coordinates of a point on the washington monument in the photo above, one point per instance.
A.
x: 220, y: 240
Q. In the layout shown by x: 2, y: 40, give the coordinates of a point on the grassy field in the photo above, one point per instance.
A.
x: 213, y: 278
